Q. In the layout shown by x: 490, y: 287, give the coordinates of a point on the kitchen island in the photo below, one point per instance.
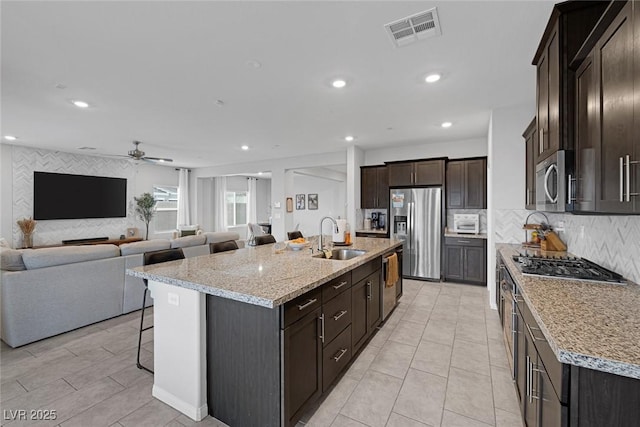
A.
x: 241, y: 335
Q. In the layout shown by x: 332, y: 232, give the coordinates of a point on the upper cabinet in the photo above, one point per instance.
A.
x: 374, y: 187
x: 467, y: 184
x: 417, y: 173
x: 608, y: 114
x: 531, y: 141
x: 568, y: 27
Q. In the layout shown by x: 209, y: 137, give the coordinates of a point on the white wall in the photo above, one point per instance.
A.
x: 263, y: 199
x: 331, y: 202
x: 452, y: 149
x: 18, y: 165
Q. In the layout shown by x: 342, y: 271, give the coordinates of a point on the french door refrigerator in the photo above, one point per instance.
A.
x: 416, y: 218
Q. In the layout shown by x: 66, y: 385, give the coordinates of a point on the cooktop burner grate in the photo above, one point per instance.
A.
x: 566, y: 268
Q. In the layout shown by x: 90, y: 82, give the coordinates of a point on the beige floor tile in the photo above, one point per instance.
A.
x: 470, y: 394
x: 439, y: 331
x: 451, y: 419
x: 471, y: 356
x: 154, y: 413
x: 27, y: 366
x: 504, y: 391
x: 393, y: 359
x: 498, y: 353
x: 40, y: 347
x: 373, y: 398
x: 417, y: 315
x: 10, y: 356
x: 362, y: 362
x: 422, y: 397
x: 114, y: 408
x: 208, y: 421
x: 444, y: 314
x: 494, y: 328
x: 53, y: 371
x: 96, y: 371
x: 342, y: 421
x: 448, y: 301
x: 10, y: 390
x: 40, y: 397
x: 508, y: 419
x: 397, y: 420
x: 471, y: 331
x: 425, y: 302
x: 78, y: 401
x: 381, y: 336
x: 408, y: 333
x: 132, y: 374
x: 432, y: 357
x: 331, y: 406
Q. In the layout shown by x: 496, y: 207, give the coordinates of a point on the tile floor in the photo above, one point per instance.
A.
x: 438, y: 361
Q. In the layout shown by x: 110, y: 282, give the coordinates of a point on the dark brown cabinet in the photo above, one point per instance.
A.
x: 585, y: 147
x: 466, y: 184
x: 568, y: 27
x: 365, y: 303
x: 530, y: 136
x: 416, y: 173
x: 465, y: 260
x: 374, y: 187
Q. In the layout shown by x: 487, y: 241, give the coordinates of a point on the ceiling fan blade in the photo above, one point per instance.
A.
x: 157, y: 159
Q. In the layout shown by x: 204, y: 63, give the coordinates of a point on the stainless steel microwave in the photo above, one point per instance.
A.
x: 554, y: 183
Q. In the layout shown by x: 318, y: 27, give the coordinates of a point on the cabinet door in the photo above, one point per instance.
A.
x: 429, y: 172
x: 635, y: 184
x: 382, y: 179
x: 302, y: 365
x: 543, y: 105
x: 358, y: 314
x: 455, y: 184
x: 374, y: 311
x: 474, y: 264
x: 585, y: 149
x: 550, y: 406
x: 614, y: 54
x: 400, y: 174
x: 520, y: 360
x: 368, y: 188
x: 531, y: 383
x: 531, y: 141
x: 454, y: 262
x: 553, y: 142
x: 475, y: 184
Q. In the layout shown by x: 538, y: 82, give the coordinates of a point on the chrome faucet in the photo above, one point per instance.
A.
x: 320, y: 236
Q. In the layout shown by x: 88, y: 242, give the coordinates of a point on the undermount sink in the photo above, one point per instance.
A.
x: 342, y: 254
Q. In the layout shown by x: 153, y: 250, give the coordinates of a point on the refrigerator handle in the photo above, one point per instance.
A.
x: 409, y: 230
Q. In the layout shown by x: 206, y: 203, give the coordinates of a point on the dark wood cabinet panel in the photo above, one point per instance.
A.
x: 475, y: 264
x: 530, y: 136
x: 374, y: 187
x: 365, y: 309
x: 635, y: 175
x: 543, y: 105
x: 455, y: 184
x: 416, y: 173
x: 553, y: 138
x: 336, y: 357
x: 465, y: 260
x: 374, y: 313
x: 475, y: 196
x: 453, y: 263
x: 303, y: 365
x: 585, y: 147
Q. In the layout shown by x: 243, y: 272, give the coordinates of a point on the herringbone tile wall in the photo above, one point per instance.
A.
x: 27, y: 160
x: 611, y: 241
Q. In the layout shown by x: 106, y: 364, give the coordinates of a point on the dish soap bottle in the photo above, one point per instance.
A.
x: 347, y: 235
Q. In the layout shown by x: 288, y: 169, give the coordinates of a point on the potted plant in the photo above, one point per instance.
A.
x: 145, y: 209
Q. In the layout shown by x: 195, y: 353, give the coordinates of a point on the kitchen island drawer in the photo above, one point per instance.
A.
x: 296, y: 309
x: 337, y: 316
x: 335, y: 286
x: 336, y: 357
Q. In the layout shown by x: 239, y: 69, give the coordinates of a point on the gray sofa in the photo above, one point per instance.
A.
x: 48, y: 291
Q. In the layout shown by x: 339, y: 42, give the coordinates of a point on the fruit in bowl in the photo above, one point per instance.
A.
x: 297, y: 244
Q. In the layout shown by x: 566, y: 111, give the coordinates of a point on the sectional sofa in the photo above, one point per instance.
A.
x: 48, y: 291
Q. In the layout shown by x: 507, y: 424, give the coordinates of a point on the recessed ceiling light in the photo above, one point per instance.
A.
x: 245, y: 147
x: 349, y: 138
x: 160, y: 160
x: 432, y: 78
x: 446, y: 124
x: 253, y: 63
x: 10, y: 137
x: 259, y: 173
x: 338, y: 83
x: 80, y: 104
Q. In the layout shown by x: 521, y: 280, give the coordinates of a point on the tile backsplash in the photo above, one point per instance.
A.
x: 481, y: 212
x: 611, y: 241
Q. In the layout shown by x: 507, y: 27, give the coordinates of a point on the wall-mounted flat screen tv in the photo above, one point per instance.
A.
x: 66, y: 196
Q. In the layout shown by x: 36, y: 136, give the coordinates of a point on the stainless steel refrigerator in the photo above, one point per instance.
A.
x: 416, y: 218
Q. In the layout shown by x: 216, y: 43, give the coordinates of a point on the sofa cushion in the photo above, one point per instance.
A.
x: 221, y: 236
x: 144, y: 246
x: 185, y: 242
x: 47, y: 257
x: 11, y: 259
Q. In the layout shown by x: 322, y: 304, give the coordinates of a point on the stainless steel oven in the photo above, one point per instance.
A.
x: 554, y: 183
x: 508, y: 294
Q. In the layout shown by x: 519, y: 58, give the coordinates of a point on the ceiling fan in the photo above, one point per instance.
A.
x: 138, y: 154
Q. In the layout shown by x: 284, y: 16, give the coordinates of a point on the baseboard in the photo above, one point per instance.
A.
x: 195, y: 413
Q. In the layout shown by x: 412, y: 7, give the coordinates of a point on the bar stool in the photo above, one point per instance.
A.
x: 228, y: 245
x: 148, y: 258
x: 294, y: 235
x: 264, y: 240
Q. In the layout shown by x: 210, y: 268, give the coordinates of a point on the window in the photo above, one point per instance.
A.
x: 166, y: 217
x: 236, y: 208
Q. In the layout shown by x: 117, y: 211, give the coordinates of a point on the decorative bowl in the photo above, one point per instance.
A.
x: 297, y: 246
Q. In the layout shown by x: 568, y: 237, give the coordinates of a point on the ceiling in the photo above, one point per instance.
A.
x: 181, y: 76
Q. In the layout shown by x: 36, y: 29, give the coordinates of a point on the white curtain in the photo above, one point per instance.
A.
x: 220, y: 203
x: 184, y: 216
x: 252, y: 189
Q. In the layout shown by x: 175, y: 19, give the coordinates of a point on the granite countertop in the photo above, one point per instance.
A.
x: 376, y: 231
x: 448, y: 233
x: 257, y: 275
x: 592, y: 325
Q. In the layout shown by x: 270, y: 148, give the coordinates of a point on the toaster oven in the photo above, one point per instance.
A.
x: 466, y: 223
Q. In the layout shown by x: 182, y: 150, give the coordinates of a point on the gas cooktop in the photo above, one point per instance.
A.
x: 566, y: 268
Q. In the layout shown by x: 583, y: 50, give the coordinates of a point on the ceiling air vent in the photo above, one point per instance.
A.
x: 416, y: 27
